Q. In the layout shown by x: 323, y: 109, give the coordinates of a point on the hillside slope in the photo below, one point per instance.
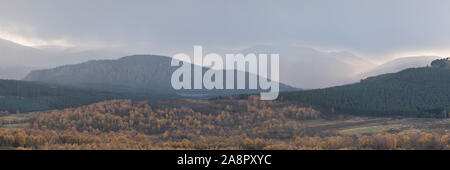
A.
x: 422, y: 92
x: 28, y: 96
x: 138, y: 73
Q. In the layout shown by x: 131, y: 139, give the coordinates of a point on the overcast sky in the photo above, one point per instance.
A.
x: 374, y: 29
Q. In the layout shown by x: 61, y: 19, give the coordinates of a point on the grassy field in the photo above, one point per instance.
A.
x: 16, y: 126
x: 15, y: 121
x: 407, y: 125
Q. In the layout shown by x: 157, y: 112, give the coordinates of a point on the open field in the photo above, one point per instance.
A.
x: 370, y: 125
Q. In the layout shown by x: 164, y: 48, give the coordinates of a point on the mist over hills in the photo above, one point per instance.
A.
x: 18, y: 60
x: 309, y: 68
x: 13, y: 58
x: 300, y: 67
x: 399, y: 64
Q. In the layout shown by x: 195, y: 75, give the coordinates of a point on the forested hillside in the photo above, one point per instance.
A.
x: 22, y: 96
x: 422, y: 92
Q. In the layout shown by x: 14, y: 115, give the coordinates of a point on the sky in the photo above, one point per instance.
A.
x: 377, y: 30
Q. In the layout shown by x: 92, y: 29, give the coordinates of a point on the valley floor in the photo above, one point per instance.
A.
x: 214, y: 124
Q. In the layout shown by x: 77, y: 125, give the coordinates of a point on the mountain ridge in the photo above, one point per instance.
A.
x: 136, y: 72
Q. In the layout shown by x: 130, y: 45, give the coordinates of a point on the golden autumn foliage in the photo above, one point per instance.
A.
x: 184, y: 124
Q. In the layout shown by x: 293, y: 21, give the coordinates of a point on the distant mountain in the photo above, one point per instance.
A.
x: 18, y: 60
x: 422, y: 92
x: 399, y: 64
x: 13, y: 56
x: 136, y: 73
